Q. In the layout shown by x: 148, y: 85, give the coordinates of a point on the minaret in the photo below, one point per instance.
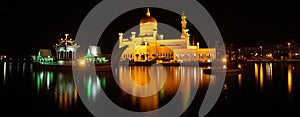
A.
x: 183, y: 25
x: 185, y: 34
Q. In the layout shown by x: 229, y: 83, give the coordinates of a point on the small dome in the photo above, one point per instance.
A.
x: 148, y: 18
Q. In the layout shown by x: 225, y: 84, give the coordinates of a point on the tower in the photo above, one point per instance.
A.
x: 184, y: 33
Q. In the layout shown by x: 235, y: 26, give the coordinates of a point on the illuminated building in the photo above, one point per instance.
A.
x: 94, y: 55
x: 149, y: 45
x: 66, y: 49
x: 44, y: 55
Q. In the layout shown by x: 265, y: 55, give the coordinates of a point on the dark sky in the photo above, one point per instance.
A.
x: 27, y: 25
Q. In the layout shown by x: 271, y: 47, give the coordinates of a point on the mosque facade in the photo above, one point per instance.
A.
x: 149, y: 45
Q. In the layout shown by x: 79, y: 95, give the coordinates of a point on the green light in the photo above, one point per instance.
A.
x: 38, y: 82
x: 162, y: 94
x: 51, y: 77
x: 103, y: 83
x: 89, y: 89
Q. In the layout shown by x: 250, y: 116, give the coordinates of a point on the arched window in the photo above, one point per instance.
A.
x: 70, y: 55
x: 61, y: 55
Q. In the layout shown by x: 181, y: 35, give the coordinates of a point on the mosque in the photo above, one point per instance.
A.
x: 150, y: 46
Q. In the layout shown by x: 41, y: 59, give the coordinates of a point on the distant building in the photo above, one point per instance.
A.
x: 44, y: 55
x: 66, y: 49
x: 94, y: 55
x: 149, y: 45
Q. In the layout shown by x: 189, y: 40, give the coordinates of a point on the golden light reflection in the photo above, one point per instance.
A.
x: 140, y: 76
x: 256, y: 73
x: 261, y: 81
x: 240, y: 80
x: 271, y: 71
x: 173, y: 77
x: 290, y: 78
x: 65, y: 93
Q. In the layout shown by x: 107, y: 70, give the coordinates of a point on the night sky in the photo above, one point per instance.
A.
x: 28, y: 25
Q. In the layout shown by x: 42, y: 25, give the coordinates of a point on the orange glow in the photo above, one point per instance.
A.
x: 240, y: 80
x: 261, y: 77
x: 224, y: 60
x: 290, y: 80
x: 271, y: 71
x: 239, y: 66
x: 82, y: 62
x: 140, y: 76
x: 256, y: 72
x: 183, y: 76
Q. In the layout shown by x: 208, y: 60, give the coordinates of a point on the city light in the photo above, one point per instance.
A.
x: 82, y: 62
x: 224, y: 60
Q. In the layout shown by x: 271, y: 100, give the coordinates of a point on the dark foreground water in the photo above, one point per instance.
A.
x: 261, y: 89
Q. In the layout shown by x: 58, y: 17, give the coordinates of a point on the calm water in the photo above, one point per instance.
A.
x: 262, y: 88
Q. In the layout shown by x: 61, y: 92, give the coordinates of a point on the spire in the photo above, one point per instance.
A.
x: 88, y: 54
x: 66, y: 35
x: 148, y: 12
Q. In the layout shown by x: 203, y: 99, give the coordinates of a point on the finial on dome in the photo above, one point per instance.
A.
x: 148, y: 12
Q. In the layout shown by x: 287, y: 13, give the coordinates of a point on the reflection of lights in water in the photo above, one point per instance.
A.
x: 23, y: 68
x: 195, y: 77
x: 186, y: 86
x: 65, y: 93
x: 4, y: 70
x: 44, y: 79
x: 38, y: 82
x: 184, y: 75
x: 18, y: 67
x: 290, y: 80
x: 240, y: 80
x: 256, y: 72
x: 103, y: 82
x: 162, y: 94
x: 261, y: 77
x: 9, y: 68
x: 271, y: 71
x: 93, y: 87
x: 31, y: 67
x: 48, y: 81
x: 201, y: 76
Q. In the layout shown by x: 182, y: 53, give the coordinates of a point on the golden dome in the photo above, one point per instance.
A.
x: 148, y: 18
